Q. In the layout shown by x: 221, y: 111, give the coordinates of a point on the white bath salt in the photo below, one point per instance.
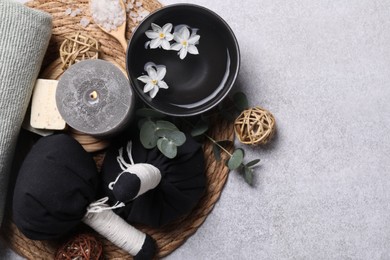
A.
x: 132, y: 29
x: 84, y: 22
x: 133, y: 14
x: 138, y: 3
x: 68, y: 11
x: 134, y: 20
x: 129, y: 7
x: 142, y: 15
x: 107, y: 13
x: 75, y: 13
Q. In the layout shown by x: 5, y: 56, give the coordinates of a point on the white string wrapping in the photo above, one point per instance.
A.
x: 100, y: 205
x: 149, y: 175
x: 114, y: 228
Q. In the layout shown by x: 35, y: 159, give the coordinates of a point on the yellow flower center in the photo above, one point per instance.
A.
x: 162, y: 35
x: 184, y: 43
x: 154, y: 82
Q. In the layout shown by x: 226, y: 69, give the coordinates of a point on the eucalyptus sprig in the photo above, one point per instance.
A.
x: 236, y: 158
x: 161, y: 133
x: 154, y: 131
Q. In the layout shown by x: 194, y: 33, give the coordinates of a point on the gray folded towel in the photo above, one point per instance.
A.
x: 24, y: 38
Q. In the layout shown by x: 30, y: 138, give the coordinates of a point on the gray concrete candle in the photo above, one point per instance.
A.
x: 95, y: 97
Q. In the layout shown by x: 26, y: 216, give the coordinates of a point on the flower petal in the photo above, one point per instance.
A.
x: 151, y: 72
x: 194, y: 39
x: 162, y: 84
x: 148, y: 87
x: 156, y: 28
x: 144, y: 79
x: 155, y: 43
x: 147, y: 44
x: 153, y: 92
x: 183, y: 53
x: 193, y: 50
x: 152, y: 34
x: 169, y: 36
x: 185, y: 34
x: 167, y: 28
x: 176, y: 46
x: 161, y: 71
x: 177, y: 37
x: 165, y: 44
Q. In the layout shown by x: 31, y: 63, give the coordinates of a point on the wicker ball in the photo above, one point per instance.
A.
x: 77, y: 47
x: 82, y: 247
x: 255, y: 126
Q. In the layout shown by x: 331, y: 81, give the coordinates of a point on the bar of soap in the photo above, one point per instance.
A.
x: 44, y: 112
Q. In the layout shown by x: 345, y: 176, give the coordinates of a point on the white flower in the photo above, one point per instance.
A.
x: 160, y: 36
x: 154, y: 79
x: 185, y: 43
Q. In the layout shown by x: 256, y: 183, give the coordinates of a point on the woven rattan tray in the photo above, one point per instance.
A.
x: 169, y: 237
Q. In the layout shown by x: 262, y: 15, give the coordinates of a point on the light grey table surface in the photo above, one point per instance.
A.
x: 323, y: 188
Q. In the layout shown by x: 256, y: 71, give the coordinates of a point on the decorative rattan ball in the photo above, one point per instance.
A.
x: 255, y: 126
x: 82, y: 247
x: 77, y: 47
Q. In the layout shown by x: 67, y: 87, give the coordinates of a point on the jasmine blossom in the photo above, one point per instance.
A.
x: 154, y: 79
x: 185, y: 43
x: 160, y: 36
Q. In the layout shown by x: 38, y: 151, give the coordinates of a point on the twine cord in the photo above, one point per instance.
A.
x: 149, y: 175
x: 100, y: 206
x: 115, y: 229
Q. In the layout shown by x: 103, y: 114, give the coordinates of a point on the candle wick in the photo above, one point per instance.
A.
x: 93, y: 95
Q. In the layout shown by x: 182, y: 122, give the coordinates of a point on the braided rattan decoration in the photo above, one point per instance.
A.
x: 77, y: 47
x: 255, y: 126
x: 82, y: 246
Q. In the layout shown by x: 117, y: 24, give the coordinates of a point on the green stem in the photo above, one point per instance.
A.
x: 211, y: 139
x: 217, y: 144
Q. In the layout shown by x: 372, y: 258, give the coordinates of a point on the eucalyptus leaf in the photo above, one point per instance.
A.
x: 167, y: 147
x: 162, y: 124
x: 141, y: 122
x: 240, y: 101
x: 149, y: 112
x: 200, y: 128
x: 163, y: 132
x: 148, y: 136
x: 248, y: 175
x: 217, y: 152
x: 252, y: 163
x: 236, y: 159
x: 177, y: 137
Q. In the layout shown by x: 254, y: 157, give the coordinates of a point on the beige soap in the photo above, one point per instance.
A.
x: 44, y: 112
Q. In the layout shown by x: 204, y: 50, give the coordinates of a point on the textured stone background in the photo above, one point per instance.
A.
x: 323, y: 188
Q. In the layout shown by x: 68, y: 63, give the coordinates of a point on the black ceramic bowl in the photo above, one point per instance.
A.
x: 199, y: 81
